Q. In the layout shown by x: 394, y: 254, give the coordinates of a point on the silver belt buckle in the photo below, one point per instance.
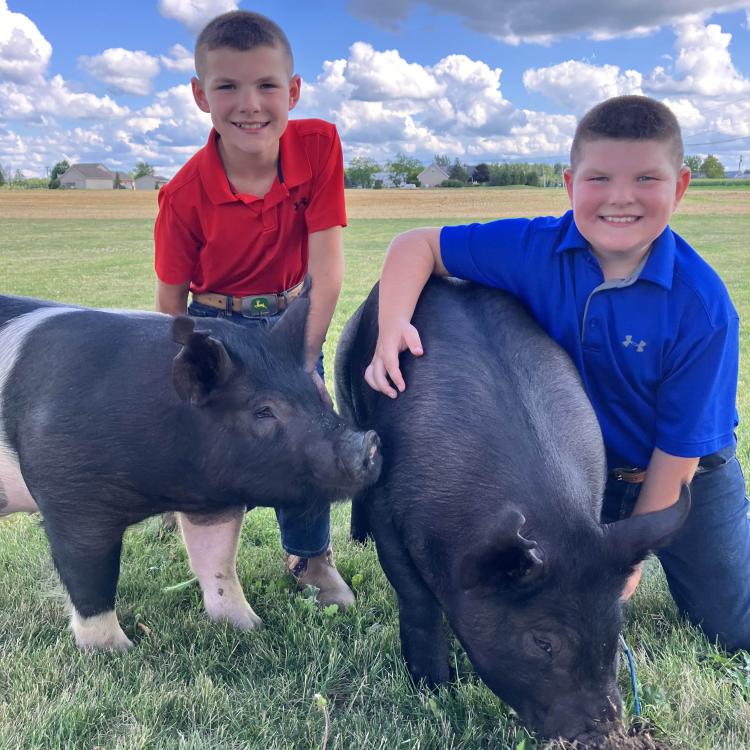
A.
x: 259, y: 306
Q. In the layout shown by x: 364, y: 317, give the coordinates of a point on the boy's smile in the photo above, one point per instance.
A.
x: 249, y: 95
x: 623, y: 193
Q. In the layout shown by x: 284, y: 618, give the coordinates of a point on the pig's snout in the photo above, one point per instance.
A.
x: 361, y: 455
x: 585, y: 720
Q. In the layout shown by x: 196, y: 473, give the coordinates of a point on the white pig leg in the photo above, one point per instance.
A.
x: 100, y: 632
x: 211, y: 542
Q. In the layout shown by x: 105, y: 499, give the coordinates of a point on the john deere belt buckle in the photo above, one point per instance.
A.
x: 259, y: 306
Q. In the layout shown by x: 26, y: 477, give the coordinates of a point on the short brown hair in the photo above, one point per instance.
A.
x: 634, y: 118
x: 240, y: 30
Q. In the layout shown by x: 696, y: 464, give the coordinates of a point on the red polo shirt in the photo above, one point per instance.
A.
x: 240, y: 244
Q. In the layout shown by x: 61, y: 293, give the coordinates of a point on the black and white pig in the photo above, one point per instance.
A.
x: 487, y: 507
x: 109, y: 417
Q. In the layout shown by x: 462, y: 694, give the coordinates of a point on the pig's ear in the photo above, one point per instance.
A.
x: 504, y: 559
x: 630, y: 540
x: 289, y: 332
x: 201, y: 366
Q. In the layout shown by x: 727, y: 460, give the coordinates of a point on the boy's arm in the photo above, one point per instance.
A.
x: 665, y: 475
x: 326, y: 269
x: 172, y: 298
x: 412, y: 258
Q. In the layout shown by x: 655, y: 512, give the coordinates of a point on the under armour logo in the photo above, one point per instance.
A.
x: 639, y: 347
x: 301, y: 203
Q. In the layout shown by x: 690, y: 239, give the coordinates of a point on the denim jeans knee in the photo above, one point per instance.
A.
x: 706, y: 565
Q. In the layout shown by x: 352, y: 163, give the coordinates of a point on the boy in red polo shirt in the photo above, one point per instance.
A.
x: 238, y: 227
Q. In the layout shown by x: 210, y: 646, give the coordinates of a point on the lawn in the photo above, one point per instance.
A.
x: 192, y: 684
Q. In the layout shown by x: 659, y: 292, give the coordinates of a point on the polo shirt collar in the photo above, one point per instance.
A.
x: 295, y: 168
x: 659, y: 267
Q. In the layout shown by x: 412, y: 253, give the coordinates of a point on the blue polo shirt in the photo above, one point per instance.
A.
x: 658, y: 352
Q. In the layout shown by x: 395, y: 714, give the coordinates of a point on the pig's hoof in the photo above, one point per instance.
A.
x: 99, y: 633
x: 240, y: 617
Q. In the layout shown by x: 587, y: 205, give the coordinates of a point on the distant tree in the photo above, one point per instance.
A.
x: 2, y: 177
x: 443, y: 161
x: 360, y: 171
x: 481, y: 173
x: 694, y: 162
x: 18, y: 179
x: 458, y: 171
x: 712, y: 167
x: 54, y: 177
x: 142, y: 168
x: 117, y: 182
x: 404, y: 169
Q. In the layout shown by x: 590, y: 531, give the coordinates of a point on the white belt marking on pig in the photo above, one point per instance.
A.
x: 14, y: 494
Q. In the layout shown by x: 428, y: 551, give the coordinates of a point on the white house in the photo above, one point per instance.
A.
x: 150, y: 182
x: 87, y: 177
x: 432, y: 176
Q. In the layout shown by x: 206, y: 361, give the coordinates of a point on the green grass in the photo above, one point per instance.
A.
x: 192, y: 684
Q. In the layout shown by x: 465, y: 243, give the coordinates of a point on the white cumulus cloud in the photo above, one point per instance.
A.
x: 179, y: 60
x: 24, y: 51
x: 195, y: 14
x: 130, y: 71
x: 577, y: 86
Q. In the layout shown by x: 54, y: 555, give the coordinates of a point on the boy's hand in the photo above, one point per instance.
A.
x: 632, y: 583
x: 384, y: 363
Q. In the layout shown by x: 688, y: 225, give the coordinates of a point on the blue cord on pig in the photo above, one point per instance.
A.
x: 633, y: 680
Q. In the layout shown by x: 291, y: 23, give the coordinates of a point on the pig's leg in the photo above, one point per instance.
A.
x: 86, y: 552
x: 211, y: 541
x: 423, y: 642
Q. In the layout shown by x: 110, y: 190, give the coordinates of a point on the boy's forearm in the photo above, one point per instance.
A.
x: 326, y: 269
x: 664, y: 477
x: 172, y: 298
x: 412, y: 258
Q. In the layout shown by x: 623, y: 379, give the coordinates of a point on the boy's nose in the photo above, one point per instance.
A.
x: 249, y: 101
x: 621, y: 191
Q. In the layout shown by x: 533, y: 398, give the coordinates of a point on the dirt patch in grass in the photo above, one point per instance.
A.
x: 468, y: 203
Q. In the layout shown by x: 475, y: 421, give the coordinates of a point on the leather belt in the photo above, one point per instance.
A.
x: 632, y: 476
x: 252, y: 306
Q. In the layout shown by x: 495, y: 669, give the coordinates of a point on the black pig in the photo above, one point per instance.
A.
x: 487, y: 508
x: 109, y: 417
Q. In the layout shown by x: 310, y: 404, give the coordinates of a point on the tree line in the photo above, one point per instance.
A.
x: 364, y: 172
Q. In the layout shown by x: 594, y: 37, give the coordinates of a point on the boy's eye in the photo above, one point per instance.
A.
x: 598, y: 179
x: 645, y: 178
x: 268, y: 85
x: 225, y: 86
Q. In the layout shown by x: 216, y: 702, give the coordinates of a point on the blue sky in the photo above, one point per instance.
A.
x: 479, y: 80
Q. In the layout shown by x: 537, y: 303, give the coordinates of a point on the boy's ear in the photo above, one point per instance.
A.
x: 295, y: 88
x: 683, y: 180
x: 568, y: 177
x: 200, y: 95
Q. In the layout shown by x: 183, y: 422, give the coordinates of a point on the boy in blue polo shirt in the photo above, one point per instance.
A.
x: 649, y: 325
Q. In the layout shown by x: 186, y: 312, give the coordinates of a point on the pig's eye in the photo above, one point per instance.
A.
x: 264, y: 412
x: 543, y: 644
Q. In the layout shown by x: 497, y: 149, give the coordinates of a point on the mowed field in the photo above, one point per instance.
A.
x: 191, y: 684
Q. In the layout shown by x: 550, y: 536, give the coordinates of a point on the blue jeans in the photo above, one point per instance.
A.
x: 706, y: 565
x: 304, y: 531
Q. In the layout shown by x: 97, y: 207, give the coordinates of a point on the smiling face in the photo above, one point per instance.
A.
x: 249, y: 94
x: 623, y: 193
